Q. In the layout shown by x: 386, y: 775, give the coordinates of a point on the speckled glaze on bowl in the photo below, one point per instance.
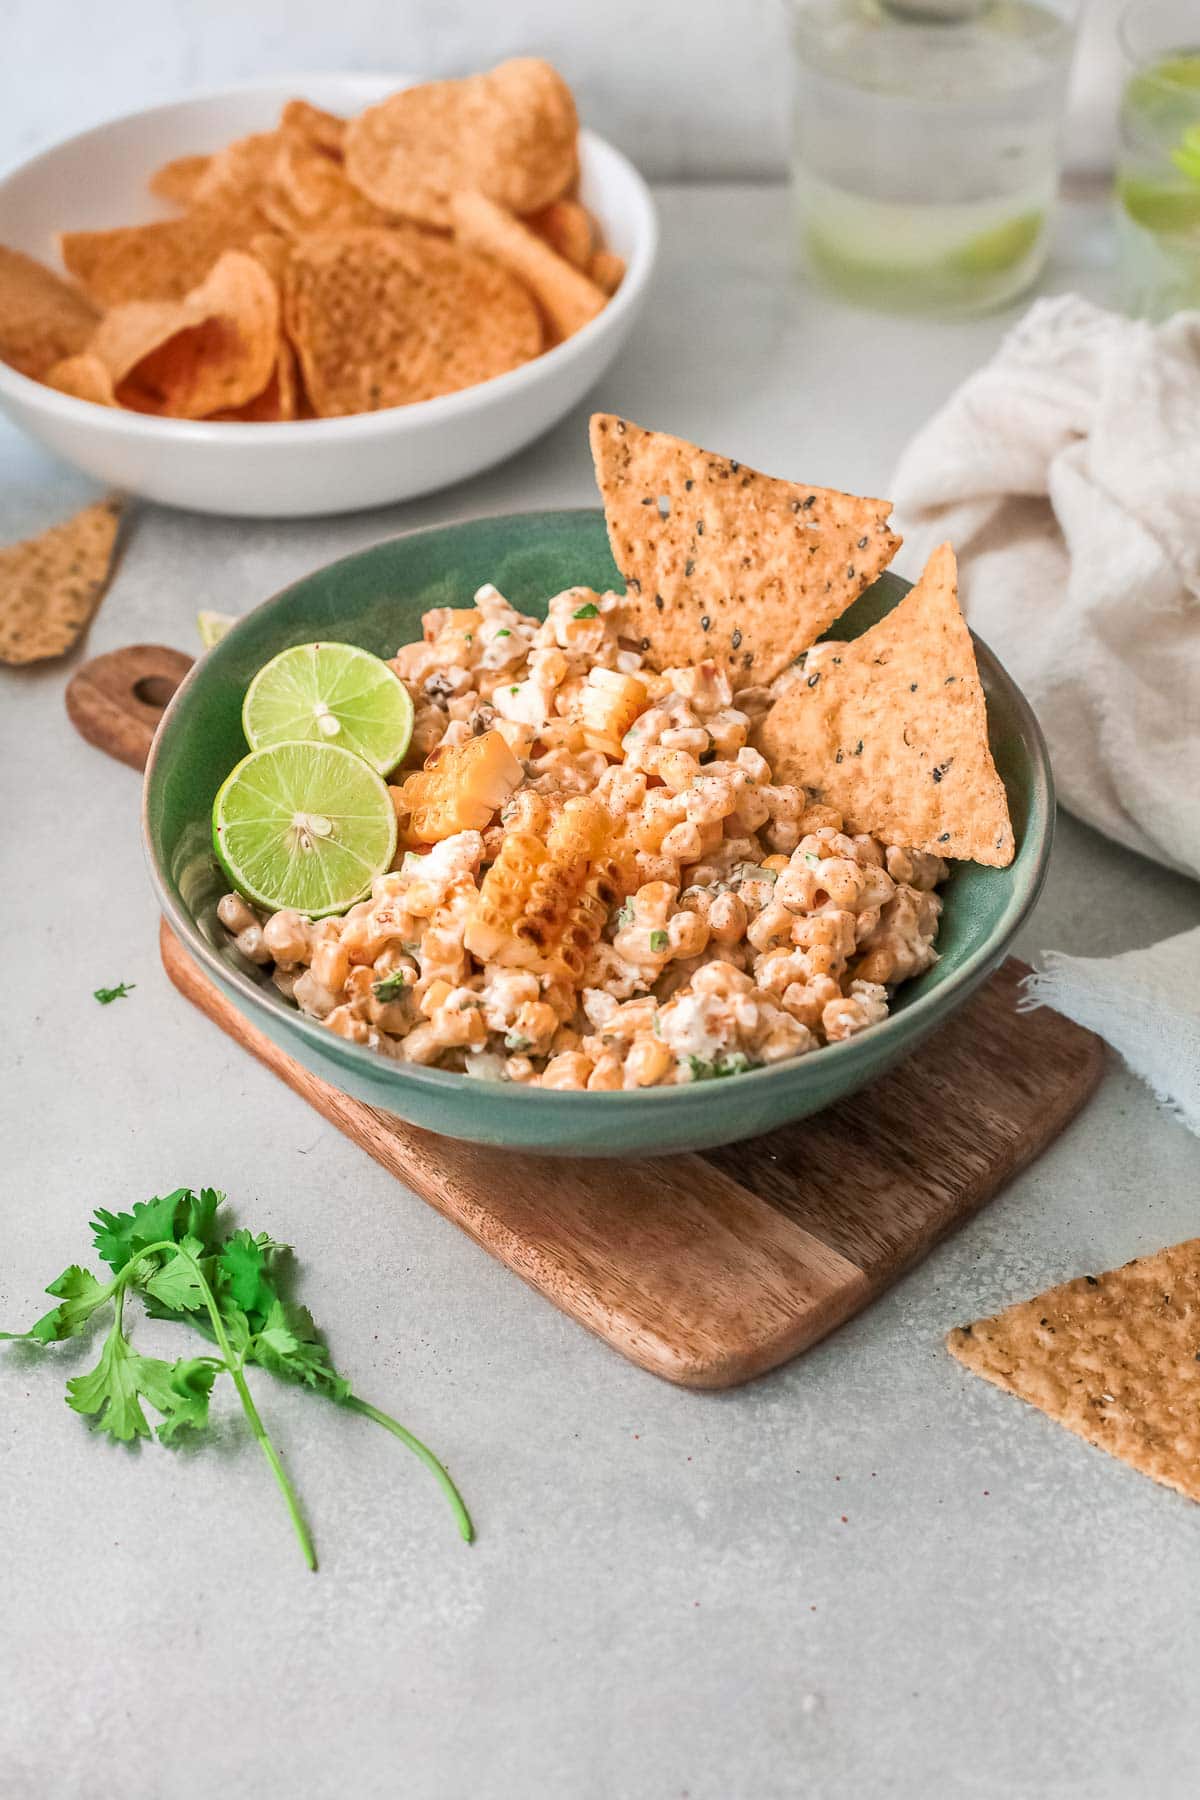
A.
x: 376, y: 598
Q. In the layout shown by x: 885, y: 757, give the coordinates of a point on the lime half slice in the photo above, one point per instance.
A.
x: 307, y: 826
x: 330, y: 694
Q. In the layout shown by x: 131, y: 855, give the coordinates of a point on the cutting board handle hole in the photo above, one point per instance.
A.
x: 154, y: 690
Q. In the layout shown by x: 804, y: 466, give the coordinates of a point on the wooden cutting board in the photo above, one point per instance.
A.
x: 711, y: 1268
x: 705, y: 1269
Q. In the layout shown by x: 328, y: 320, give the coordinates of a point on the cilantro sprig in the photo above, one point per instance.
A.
x: 174, y: 1254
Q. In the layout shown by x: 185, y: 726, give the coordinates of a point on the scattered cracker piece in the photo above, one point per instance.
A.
x: 607, y: 270
x: 215, y: 349
x: 1113, y: 1357
x: 42, y: 318
x: 566, y: 296
x: 567, y: 227
x: 381, y: 318
x: 723, y: 562
x: 509, y: 134
x: 51, y: 585
x: 324, y: 129
x: 84, y: 377
x: 178, y: 179
x: 163, y: 261
x: 891, y: 729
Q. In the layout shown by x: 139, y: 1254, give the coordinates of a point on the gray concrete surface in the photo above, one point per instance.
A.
x: 866, y: 1576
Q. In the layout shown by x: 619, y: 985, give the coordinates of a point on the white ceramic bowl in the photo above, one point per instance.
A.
x: 315, y: 465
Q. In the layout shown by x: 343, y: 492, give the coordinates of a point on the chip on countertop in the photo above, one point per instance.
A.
x: 42, y: 317
x: 52, y: 584
x: 509, y: 134
x: 382, y: 318
x: 1113, y: 1357
x: 891, y: 729
x: 723, y: 562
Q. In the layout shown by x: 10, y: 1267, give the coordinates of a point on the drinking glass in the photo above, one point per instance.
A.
x: 926, y: 145
x: 1158, y: 159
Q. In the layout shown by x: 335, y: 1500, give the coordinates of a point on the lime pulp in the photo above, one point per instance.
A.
x: 303, y: 825
x: 333, y: 694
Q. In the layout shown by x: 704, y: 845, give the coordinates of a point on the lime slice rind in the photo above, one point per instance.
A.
x: 330, y: 693
x: 265, y: 840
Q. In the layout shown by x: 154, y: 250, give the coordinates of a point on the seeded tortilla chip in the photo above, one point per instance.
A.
x: 509, y: 134
x: 892, y: 730
x: 567, y: 227
x: 84, y: 377
x: 722, y: 562
x: 178, y: 179
x: 51, y: 585
x: 302, y: 119
x: 1112, y: 1357
x: 163, y: 261
x: 42, y: 318
x: 381, y: 318
x: 213, y: 350
x: 566, y: 296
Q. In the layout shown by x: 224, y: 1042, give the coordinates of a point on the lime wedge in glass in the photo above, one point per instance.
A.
x: 212, y: 626
x: 1002, y: 248
x: 1160, y: 206
x: 307, y: 826
x: 330, y: 694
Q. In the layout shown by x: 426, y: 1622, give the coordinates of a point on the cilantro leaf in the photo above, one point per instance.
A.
x: 119, y: 1236
x: 289, y: 1347
x: 112, y: 1392
x: 243, y: 1264
x: 179, y: 1285
x: 588, y: 611
x: 106, y: 996
x: 192, y: 1380
x: 79, y: 1294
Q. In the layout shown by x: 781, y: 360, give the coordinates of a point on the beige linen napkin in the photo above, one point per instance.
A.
x: 1067, y: 474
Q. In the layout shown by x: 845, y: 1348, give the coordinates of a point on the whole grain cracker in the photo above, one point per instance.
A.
x: 891, y: 729
x: 42, y: 318
x: 566, y: 296
x: 178, y: 179
x: 567, y: 227
x: 722, y: 562
x: 510, y: 134
x: 382, y: 318
x: 1113, y: 1357
x: 163, y: 261
x: 214, y: 350
x: 51, y: 585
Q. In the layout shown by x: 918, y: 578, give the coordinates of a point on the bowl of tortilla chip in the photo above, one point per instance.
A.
x: 953, y: 759
x: 319, y: 294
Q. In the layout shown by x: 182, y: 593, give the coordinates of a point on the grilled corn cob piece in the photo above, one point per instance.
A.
x: 459, y: 789
x: 543, y: 905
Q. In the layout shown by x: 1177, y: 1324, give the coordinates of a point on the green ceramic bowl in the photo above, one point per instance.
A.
x: 376, y: 599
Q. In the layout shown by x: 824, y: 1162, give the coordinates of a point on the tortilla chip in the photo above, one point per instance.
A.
x: 237, y: 175
x: 178, y: 179
x: 567, y: 298
x: 1113, y: 1357
x: 309, y: 192
x: 51, y: 585
x: 567, y: 228
x: 42, y: 318
x: 382, y: 318
x: 214, y: 350
x: 509, y: 134
x: 279, y: 400
x: 722, y: 562
x: 607, y: 270
x: 84, y: 377
x: 302, y: 119
x: 163, y: 261
x: 892, y: 730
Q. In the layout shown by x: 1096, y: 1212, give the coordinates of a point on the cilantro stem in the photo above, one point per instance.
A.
x: 440, y: 1475
x: 235, y: 1368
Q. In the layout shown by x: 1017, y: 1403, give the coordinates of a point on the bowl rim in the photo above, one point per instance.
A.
x: 1028, y: 881
x: 443, y: 409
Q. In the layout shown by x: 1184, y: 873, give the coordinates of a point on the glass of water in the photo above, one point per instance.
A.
x: 926, y: 146
x: 1158, y: 163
